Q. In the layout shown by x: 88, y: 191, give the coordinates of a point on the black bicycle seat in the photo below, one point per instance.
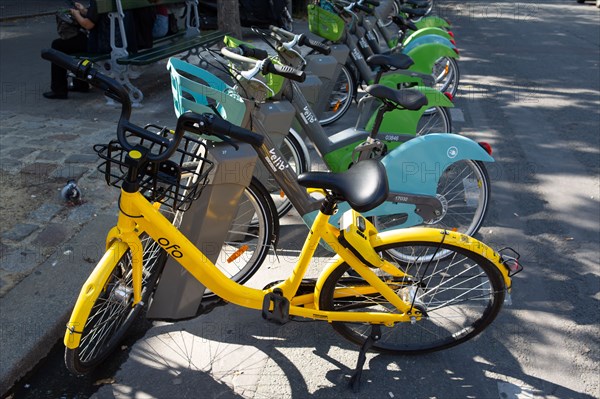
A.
x: 419, y: 3
x: 364, y: 185
x: 399, y: 61
x: 414, y: 12
x: 406, y: 98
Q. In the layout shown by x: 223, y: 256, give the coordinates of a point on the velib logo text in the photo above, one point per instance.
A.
x: 276, y: 162
x: 308, y: 116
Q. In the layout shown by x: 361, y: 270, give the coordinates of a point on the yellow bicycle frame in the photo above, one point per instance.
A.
x: 137, y: 215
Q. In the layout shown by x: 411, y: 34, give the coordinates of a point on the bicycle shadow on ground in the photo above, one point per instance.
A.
x: 232, y: 352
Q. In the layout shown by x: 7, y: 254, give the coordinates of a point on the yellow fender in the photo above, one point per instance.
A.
x: 424, y: 234
x: 90, y: 292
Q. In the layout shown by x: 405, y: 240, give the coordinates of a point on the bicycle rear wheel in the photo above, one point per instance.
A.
x: 112, y: 314
x: 435, y: 120
x: 464, y: 190
x: 460, y: 296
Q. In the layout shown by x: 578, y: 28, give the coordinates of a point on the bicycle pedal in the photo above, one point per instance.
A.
x: 280, y: 313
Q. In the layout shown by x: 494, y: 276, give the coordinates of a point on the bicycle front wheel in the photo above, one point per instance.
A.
x: 340, y: 99
x: 460, y: 295
x: 253, y: 230
x: 112, y: 314
x: 295, y: 158
x: 446, y: 75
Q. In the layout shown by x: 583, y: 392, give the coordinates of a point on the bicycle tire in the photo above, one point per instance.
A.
x: 112, y: 315
x: 463, y: 186
x: 435, y: 120
x: 340, y: 99
x: 447, y: 75
x: 460, y: 297
x: 257, y: 233
x: 395, y: 11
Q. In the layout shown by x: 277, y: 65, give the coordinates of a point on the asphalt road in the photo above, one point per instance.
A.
x: 530, y: 86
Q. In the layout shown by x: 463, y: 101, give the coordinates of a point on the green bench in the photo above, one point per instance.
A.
x: 123, y: 66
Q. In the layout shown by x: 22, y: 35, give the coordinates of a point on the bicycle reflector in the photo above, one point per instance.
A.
x: 453, y: 41
x: 486, y: 146
x: 510, y: 259
x: 449, y: 95
x: 450, y: 32
x: 456, y: 50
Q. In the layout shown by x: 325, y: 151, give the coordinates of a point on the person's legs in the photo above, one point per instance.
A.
x: 161, y: 26
x: 58, y: 84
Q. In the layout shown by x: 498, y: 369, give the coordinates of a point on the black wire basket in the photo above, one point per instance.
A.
x: 176, y: 182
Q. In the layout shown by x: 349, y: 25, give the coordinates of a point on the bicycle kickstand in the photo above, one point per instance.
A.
x: 371, y: 339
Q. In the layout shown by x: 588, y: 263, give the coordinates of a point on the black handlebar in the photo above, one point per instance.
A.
x: 284, y: 70
x: 371, y: 2
x: 281, y: 32
x: 253, y: 52
x: 214, y: 125
x: 366, y: 9
x: 84, y: 70
x: 190, y: 122
x: 304, y: 40
x: 315, y: 45
x: 404, y: 23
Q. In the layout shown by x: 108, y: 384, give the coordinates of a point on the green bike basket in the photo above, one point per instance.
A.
x: 324, y: 23
x: 274, y: 82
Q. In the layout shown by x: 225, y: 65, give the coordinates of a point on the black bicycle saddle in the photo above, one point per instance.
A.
x: 414, y: 12
x: 406, y: 98
x: 418, y: 3
x: 399, y: 61
x: 364, y: 185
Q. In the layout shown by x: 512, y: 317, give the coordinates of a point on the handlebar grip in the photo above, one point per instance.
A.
x: 366, y: 9
x: 64, y: 61
x: 84, y: 70
x: 253, y: 52
x: 284, y: 70
x: 315, y: 45
x: 214, y: 125
x: 282, y: 32
x: 371, y: 2
x: 404, y: 23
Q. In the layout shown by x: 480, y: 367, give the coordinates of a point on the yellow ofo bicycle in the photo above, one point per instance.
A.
x: 387, y: 303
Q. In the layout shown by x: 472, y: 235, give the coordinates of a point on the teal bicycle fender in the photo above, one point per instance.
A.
x: 387, y: 208
x: 416, y: 166
x: 427, y: 39
x: 427, y: 31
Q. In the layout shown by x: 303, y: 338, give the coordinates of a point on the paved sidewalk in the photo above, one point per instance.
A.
x: 48, y: 246
x: 11, y: 9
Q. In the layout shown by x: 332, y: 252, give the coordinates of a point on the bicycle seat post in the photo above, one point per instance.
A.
x: 381, y: 110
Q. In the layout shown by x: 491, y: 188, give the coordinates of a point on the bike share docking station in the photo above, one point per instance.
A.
x: 326, y: 68
x: 206, y: 224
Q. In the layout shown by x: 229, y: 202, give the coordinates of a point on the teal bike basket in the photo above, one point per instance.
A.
x: 197, y: 90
